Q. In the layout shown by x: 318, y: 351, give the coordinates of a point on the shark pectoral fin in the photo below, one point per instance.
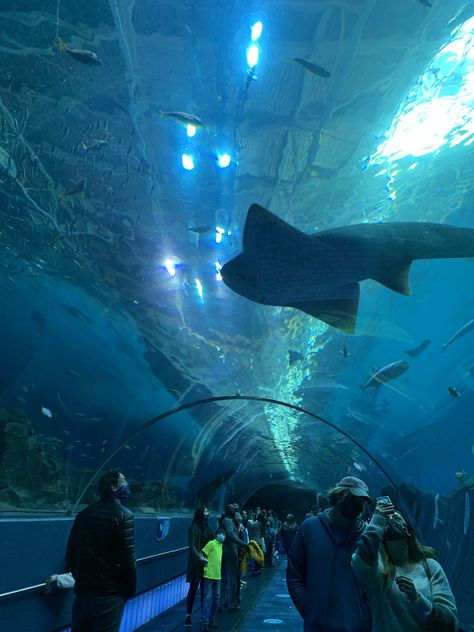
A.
x: 395, y: 276
x: 337, y: 312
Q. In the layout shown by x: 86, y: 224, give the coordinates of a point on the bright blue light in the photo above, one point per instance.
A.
x: 188, y: 162
x: 223, y: 160
x: 170, y: 266
x: 257, y: 29
x: 198, y: 287
x: 191, y: 130
x: 252, y: 55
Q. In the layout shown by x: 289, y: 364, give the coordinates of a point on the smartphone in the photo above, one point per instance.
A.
x: 384, y: 500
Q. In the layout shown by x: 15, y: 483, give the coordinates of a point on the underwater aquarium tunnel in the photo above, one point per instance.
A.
x: 237, y: 265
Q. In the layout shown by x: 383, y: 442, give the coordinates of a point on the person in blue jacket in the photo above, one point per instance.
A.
x: 319, y: 576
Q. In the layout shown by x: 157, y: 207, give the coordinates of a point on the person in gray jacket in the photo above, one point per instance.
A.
x: 406, y: 585
x: 230, y: 561
x: 319, y: 576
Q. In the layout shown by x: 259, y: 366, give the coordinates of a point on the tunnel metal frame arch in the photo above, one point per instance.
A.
x: 222, y: 398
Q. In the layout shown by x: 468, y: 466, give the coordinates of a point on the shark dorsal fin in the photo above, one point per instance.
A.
x: 395, y: 275
x: 263, y: 227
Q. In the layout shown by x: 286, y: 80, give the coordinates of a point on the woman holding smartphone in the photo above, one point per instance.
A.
x: 407, y: 589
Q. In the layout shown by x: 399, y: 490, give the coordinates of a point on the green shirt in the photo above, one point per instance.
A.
x: 213, y: 552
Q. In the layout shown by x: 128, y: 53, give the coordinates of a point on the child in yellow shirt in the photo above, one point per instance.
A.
x: 212, y: 579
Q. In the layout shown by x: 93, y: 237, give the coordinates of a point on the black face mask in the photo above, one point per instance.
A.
x: 351, y: 507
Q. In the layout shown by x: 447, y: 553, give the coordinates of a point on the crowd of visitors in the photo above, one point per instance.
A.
x: 356, y: 566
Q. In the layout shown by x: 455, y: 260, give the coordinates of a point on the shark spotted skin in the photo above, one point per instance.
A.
x: 319, y: 274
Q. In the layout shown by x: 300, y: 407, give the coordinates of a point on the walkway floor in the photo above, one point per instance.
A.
x: 265, y: 605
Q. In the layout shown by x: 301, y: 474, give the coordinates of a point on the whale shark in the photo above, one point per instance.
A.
x: 320, y: 273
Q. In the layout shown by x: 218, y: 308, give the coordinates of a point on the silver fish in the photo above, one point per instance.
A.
x: 84, y: 56
x: 386, y: 374
x: 459, y: 334
x: 183, y: 117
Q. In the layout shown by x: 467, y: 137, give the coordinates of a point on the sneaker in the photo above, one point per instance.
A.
x: 187, y: 622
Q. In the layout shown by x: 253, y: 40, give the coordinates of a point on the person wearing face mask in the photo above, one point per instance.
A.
x: 212, y: 579
x: 319, y: 577
x: 199, y: 534
x: 407, y: 588
x: 101, y: 557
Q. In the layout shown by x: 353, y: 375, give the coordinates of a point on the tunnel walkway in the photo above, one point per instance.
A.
x: 265, y: 604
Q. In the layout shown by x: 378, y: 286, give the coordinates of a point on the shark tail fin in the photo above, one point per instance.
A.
x: 395, y: 275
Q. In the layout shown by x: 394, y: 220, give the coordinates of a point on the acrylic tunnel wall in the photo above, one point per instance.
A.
x: 236, y: 261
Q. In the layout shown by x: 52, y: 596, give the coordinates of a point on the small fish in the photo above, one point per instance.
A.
x: 459, y: 334
x: 425, y: 3
x: 386, y: 374
x: 76, y: 189
x: 183, y: 117
x: 46, y: 412
x: 72, y: 372
x: 84, y: 56
x: 344, y: 352
x: 453, y: 391
x: 294, y: 356
x: 200, y: 230
x: 417, y: 350
x: 313, y: 68
x: 93, y: 144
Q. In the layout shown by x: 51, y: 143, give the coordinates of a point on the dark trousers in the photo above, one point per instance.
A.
x: 97, y: 613
x: 191, y: 596
x: 230, y: 579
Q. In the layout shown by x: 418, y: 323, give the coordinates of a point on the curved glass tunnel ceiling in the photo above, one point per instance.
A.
x: 113, y: 305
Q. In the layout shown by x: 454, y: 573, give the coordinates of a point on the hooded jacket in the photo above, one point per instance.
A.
x: 320, y: 579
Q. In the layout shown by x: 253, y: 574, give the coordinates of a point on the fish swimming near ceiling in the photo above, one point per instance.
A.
x: 386, y: 374
x: 319, y: 274
x: 183, y: 117
x: 344, y: 352
x: 82, y: 55
x: 465, y: 329
x: 419, y: 349
x: 313, y: 68
x: 453, y: 391
x: 200, y: 230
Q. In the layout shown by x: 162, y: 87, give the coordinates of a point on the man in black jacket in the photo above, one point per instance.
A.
x: 101, y: 556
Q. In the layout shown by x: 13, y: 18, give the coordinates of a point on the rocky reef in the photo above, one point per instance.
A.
x: 31, y: 471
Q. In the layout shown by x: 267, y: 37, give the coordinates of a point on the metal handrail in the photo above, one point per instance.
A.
x: 27, y: 589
